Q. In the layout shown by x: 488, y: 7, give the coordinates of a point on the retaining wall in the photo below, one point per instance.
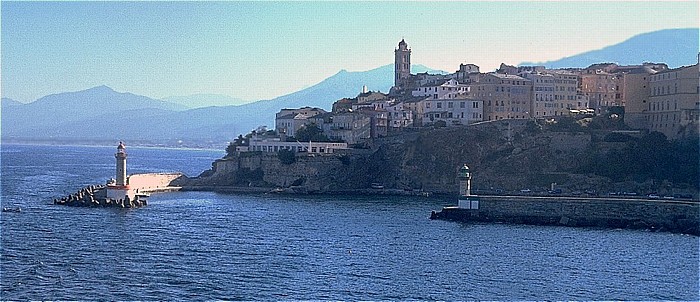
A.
x: 150, y: 182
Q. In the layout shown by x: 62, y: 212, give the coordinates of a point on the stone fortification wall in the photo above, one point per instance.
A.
x: 152, y: 181
x: 676, y: 216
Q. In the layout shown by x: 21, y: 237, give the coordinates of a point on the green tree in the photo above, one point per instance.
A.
x: 287, y: 157
x: 311, y: 132
x: 231, y: 149
x: 239, y: 141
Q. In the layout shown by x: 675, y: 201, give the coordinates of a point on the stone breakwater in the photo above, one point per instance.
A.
x: 658, y: 215
x: 96, y: 196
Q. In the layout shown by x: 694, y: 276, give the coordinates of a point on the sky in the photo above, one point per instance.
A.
x: 261, y: 50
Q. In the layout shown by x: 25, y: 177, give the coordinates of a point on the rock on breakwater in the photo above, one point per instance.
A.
x: 96, y: 196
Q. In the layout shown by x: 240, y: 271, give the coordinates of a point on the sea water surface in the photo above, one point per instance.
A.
x: 206, y: 246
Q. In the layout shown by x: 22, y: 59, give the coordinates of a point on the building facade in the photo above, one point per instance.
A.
x: 568, y: 96
x: 542, y: 104
x: 275, y: 145
x: 452, y: 111
x: 674, y: 103
x: 289, y: 121
x: 505, y: 96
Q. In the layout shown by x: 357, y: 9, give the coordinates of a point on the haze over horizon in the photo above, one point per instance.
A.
x: 257, y: 51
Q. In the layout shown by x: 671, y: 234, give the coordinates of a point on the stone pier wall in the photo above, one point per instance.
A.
x: 152, y: 182
x: 669, y: 215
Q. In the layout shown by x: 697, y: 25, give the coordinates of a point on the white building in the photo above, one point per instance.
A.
x: 452, y: 111
x: 399, y: 115
x: 275, y: 145
x: 447, y: 89
x: 289, y: 121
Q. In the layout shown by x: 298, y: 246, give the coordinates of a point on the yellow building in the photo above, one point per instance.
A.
x: 505, y: 96
x: 674, y: 102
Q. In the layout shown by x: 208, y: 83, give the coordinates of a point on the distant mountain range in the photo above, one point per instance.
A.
x: 675, y: 47
x: 10, y: 102
x: 204, y: 100
x: 102, y: 113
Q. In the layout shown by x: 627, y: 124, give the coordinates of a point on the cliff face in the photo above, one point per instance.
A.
x: 503, y: 156
x: 507, y: 156
x: 315, y: 173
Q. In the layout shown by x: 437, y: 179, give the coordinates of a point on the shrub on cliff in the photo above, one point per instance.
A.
x: 287, y: 157
x: 650, y: 157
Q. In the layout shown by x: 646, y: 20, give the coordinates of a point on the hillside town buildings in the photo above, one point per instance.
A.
x: 654, y: 98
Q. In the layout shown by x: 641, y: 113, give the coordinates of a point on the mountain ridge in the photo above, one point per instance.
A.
x: 645, y: 47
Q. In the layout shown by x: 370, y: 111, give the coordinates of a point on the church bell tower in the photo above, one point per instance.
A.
x: 402, y: 64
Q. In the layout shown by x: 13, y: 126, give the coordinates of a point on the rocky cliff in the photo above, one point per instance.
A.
x: 504, y: 156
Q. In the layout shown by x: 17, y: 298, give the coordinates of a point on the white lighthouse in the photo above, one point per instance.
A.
x: 465, y: 181
x: 121, y: 164
x: 119, y: 189
x: 466, y: 200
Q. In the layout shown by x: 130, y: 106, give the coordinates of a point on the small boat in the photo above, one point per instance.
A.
x: 377, y: 186
x: 12, y: 210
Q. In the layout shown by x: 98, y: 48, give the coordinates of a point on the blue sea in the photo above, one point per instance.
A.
x: 209, y: 246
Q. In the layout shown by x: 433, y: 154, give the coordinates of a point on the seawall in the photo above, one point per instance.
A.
x: 662, y: 215
x: 154, y: 182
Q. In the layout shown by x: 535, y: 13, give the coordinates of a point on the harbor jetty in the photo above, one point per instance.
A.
x: 678, y: 216
x: 123, y: 191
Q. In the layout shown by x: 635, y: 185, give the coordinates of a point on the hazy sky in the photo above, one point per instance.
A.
x: 260, y: 50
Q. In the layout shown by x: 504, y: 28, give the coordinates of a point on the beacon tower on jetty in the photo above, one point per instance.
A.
x: 466, y: 200
x: 119, y: 188
x: 121, y: 164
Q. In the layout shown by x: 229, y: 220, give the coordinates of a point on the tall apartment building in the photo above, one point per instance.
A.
x: 567, y: 93
x: 674, y: 104
x: 636, y: 91
x: 543, y: 86
x: 601, y: 87
x: 505, y: 96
